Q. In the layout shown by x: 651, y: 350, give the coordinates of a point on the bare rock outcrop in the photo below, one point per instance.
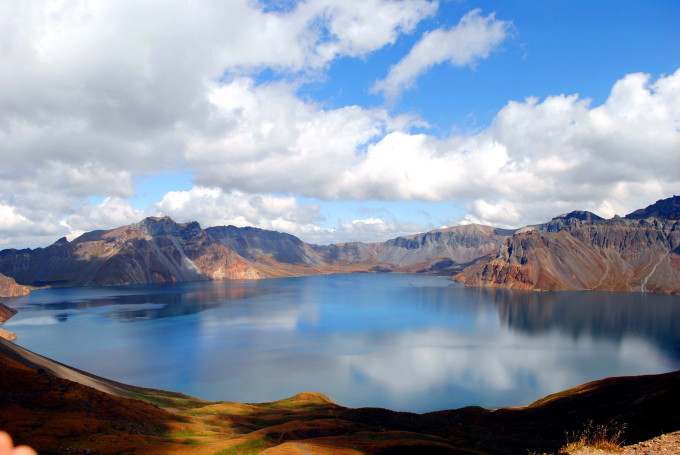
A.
x: 6, y: 313
x: 6, y: 335
x: 579, y: 251
x: 10, y: 288
x: 155, y: 250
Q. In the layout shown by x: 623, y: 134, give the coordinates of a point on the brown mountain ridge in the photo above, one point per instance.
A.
x: 159, y: 250
x: 575, y: 251
x: 580, y: 251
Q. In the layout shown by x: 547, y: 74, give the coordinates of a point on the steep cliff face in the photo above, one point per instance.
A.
x: 580, y: 251
x: 668, y: 209
x: 534, y: 260
x: 159, y: 250
x: 258, y: 244
x: 10, y: 288
x: 155, y: 250
x: 444, y: 248
x: 6, y: 313
x: 286, y: 254
x: 435, y: 252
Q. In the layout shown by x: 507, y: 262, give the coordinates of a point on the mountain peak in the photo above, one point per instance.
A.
x: 663, y: 208
x: 570, y: 219
x: 582, y: 215
x: 154, y: 226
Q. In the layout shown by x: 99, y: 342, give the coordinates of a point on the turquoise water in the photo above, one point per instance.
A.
x: 404, y: 342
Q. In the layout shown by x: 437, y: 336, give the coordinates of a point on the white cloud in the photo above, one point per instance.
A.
x: 95, y: 96
x: 112, y: 212
x: 20, y: 228
x: 374, y: 230
x: 88, y: 110
x: 75, y: 88
x: 276, y: 142
x: 472, y: 39
x: 9, y: 218
x: 537, y: 160
x: 213, y: 207
x: 359, y: 27
x: 502, y: 213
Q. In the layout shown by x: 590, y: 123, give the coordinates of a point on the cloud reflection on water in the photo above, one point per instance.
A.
x: 527, y: 367
x: 398, y: 341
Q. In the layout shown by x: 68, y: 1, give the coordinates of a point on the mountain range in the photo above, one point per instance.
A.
x: 574, y: 251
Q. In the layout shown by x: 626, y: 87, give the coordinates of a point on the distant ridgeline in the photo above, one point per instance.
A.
x: 575, y: 251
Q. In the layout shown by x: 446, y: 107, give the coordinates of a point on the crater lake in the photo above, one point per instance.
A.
x: 403, y: 342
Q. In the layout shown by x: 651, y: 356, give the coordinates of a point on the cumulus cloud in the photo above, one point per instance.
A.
x: 86, y: 110
x: 215, y: 207
x: 373, y: 230
x: 20, y: 228
x: 537, y: 157
x: 112, y: 212
x: 275, y: 141
x: 472, y: 39
x: 9, y: 218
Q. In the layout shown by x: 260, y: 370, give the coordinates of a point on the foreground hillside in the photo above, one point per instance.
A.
x: 576, y: 251
x: 57, y: 409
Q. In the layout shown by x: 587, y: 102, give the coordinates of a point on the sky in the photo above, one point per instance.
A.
x: 333, y: 120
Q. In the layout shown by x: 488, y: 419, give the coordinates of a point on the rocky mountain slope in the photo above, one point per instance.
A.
x: 10, y: 288
x: 576, y: 251
x: 159, y: 250
x: 6, y: 313
x: 154, y: 250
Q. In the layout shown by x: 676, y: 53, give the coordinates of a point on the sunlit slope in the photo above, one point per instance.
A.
x: 10, y: 288
x: 159, y: 250
x: 580, y: 251
x: 575, y: 251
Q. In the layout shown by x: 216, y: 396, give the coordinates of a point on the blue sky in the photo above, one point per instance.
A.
x: 333, y: 120
x: 552, y: 47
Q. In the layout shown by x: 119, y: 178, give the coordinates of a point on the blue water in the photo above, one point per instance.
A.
x: 404, y: 342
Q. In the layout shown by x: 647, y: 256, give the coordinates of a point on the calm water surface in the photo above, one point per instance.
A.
x: 404, y: 342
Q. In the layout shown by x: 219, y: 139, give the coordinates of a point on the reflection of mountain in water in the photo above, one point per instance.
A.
x: 153, y: 305
x: 610, y: 315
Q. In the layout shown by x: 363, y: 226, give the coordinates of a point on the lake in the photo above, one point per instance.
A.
x: 404, y: 342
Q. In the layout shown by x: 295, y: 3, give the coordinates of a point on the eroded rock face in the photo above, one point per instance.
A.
x: 585, y: 252
x: 9, y: 336
x: 10, y: 288
x: 667, y: 209
x: 6, y: 312
x: 155, y: 250
x: 578, y: 250
x: 461, y: 244
x: 158, y: 250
